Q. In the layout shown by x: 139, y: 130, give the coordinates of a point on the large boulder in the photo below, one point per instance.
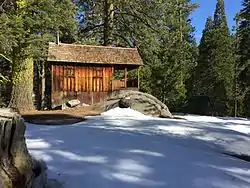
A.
x: 17, y: 168
x: 142, y: 102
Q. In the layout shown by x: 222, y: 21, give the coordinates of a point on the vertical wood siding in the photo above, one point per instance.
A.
x: 88, y: 84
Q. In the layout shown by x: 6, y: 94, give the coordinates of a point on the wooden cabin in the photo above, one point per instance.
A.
x: 86, y: 72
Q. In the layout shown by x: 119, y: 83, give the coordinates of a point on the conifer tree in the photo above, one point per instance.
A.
x: 223, y: 61
x: 163, y: 34
x: 30, y: 25
x: 204, y: 76
x: 243, y: 34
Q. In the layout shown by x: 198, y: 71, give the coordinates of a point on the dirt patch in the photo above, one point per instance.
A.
x: 61, y: 117
x: 52, y: 119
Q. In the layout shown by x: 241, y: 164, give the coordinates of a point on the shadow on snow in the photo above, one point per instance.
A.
x: 109, y: 152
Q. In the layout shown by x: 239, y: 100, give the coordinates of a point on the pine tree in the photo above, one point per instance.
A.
x: 223, y: 62
x: 161, y: 31
x: 243, y: 34
x: 204, y: 78
x: 30, y: 25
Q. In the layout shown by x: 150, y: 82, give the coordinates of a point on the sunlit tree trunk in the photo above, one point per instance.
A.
x: 22, y: 89
x: 108, y: 21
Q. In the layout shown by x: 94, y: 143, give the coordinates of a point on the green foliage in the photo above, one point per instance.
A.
x: 243, y: 52
x: 32, y: 24
x: 162, y: 32
x: 26, y: 28
x: 204, y: 75
x: 214, y: 75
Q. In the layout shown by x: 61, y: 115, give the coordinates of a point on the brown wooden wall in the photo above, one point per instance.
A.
x: 88, y: 84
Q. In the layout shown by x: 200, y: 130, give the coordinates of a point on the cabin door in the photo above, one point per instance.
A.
x: 98, y: 80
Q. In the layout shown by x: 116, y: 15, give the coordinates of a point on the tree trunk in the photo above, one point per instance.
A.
x: 108, y: 21
x: 16, y: 165
x: 22, y: 89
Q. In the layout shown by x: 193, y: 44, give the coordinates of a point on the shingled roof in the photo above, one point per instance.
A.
x: 93, y: 54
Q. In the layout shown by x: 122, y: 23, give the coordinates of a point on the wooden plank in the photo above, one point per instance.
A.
x: 94, y: 79
x: 112, y: 78
x: 64, y: 83
x: 52, y: 84
x: 68, y: 80
x: 125, y: 77
x: 79, y: 79
x: 56, y: 78
x: 88, y: 80
x: 83, y: 79
x: 100, y: 80
x: 90, y: 89
x: 97, y: 89
x: 73, y: 79
x: 103, y: 79
x: 76, y: 78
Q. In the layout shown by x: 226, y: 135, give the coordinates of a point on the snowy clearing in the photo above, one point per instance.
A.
x: 123, y: 148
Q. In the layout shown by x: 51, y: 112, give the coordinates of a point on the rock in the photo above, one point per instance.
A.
x: 16, y: 169
x: 111, y: 104
x: 142, y: 102
x: 165, y: 114
x: 73, y: 103
x: 124, y: 103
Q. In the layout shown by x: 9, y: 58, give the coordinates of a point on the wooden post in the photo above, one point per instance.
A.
x: 112, y: 79
x: 43, y: 87
x: 125, y: 76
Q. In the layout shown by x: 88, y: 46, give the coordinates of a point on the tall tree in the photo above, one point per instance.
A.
x: 204, y: 75
x: 243, y: 34
x: 162, y: 33
x: 31, y: 24
x: 223, y: 61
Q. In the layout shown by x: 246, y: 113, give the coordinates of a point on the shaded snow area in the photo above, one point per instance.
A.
x: 125, y: 149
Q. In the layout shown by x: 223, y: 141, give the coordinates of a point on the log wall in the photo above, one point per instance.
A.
x: 89, y: 84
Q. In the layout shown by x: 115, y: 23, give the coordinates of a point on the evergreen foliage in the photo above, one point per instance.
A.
x: 26, y: 28
x: 243, y: 51
x: 162, y: 32
x: 214, y: 74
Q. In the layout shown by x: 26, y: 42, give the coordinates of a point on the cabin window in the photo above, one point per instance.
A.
x: 69, y: 72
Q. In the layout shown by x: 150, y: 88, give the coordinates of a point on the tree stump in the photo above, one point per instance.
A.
x: 15, y: 162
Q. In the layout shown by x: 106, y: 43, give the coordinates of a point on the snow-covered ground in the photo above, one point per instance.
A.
x: 125, y: 149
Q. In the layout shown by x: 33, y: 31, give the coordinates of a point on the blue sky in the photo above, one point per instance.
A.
x: 207, y: 8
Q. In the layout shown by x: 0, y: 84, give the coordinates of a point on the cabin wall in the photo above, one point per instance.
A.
x: 90, y: 84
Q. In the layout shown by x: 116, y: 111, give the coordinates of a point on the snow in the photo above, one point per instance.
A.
x: 126, y: 149
x: 124, y: 113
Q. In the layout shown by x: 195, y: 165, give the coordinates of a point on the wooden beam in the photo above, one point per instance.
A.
x: 112, y: 78
x: 125, y: 76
